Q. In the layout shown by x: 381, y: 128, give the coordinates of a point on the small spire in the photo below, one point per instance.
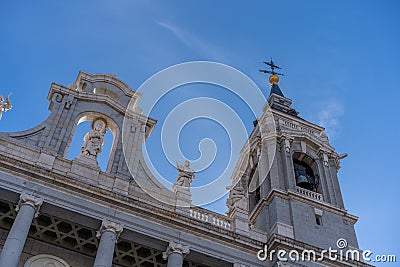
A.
x: 274, y: 78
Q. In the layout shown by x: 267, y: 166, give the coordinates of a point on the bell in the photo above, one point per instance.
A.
x: 302, y: 181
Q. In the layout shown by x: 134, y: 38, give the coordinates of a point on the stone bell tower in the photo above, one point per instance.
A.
x: 288, y: 171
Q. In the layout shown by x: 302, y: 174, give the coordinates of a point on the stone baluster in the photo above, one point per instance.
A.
x: 27, y: 208
x: 108, y: 234
x: 175, y: 254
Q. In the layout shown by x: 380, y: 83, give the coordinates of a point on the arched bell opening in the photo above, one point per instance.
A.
x: 306, y: 172
x: 96, y: 132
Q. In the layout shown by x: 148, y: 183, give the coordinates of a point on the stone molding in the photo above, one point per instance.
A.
x: 174, y: 247
x: 107, y: 226
x: 34, y: 202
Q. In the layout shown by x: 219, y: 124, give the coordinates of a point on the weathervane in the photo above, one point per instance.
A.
x: 274, y: 75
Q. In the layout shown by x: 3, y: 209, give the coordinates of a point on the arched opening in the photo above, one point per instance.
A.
x: 45, y: 260
x: 85, y: 125
x: 306, y: 172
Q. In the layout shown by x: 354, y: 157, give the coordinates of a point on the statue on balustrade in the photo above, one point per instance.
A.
x: 185, y: 175
x: 236, y: 197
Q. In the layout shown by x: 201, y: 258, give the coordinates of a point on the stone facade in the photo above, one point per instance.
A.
x: 70, y: 213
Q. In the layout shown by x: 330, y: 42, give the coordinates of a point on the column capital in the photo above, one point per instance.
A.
x: 34, y: 202
x: 174, y: 247
x: 107, y: 226
x: 286, y: 142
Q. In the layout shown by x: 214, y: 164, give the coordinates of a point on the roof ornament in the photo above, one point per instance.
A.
x: 274, y: 78
x: 5, y: 105
x: 185, y: 176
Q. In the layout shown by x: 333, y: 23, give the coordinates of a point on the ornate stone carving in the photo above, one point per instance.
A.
x: 110, y: 227
x: 324, y: 155
x: 5, y: 104
x: 185, y: 176
x: 325, y: 159
x: 25, y: 199
x: 68, y: 102
x: 57, y: 97
x: 93, y: 141
x: 174, y: 247
x: 288, y: 142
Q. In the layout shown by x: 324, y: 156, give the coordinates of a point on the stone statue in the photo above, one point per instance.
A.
x: 185, y: 175
x: 93, y: 140
x: 4, y: 106
x: 236, y: 194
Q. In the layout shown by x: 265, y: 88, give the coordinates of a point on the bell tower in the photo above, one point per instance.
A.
x: 289, y: 171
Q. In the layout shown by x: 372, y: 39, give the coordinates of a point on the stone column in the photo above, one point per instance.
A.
x: 175, y: 254
x: 108, y: 234
x: 27, y: 208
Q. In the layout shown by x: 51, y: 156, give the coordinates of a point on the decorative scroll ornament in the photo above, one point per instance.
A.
x: 5, y: 105
x: 185, y: 176
x: 34, y: 202
x: 174, y: 247
x: 107, y: 226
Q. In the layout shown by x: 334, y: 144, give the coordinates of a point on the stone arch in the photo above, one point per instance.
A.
x: 311, y: 167
x: 112, y: 125
x: 45, y: 260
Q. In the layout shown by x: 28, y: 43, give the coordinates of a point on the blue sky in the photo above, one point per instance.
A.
x: 341, y: 60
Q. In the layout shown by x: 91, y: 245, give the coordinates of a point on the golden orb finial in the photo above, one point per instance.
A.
x: 273, y: 79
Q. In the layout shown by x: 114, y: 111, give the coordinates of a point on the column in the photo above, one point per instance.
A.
x: 27, y: 208
x: 175, y: 254
x: 108, y: 234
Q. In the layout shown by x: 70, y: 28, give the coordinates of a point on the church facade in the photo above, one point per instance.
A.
x: 285, y: 197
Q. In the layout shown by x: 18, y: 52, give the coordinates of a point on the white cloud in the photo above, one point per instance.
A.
x: 329, y: 116
x: 192, y: 41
